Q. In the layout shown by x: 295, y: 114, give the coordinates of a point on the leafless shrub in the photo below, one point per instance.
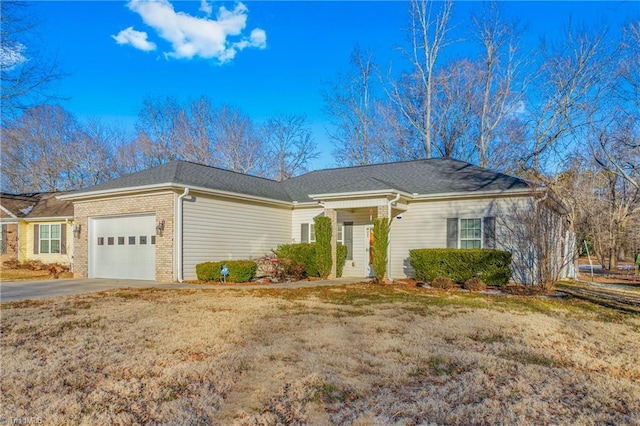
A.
x: 475, y: 284
x: 443, y: 283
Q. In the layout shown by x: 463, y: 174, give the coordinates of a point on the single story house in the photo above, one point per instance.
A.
x: 36, y: 226
x: 158, y: 224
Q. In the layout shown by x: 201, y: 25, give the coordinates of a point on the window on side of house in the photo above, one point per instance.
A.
x: 49, y: 238
x: 471, y: 233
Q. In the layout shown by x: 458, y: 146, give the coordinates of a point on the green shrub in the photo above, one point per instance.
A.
x: 323, y: 246
x: 240, y: 271
x: 380, y: 247
x: 442, y: 282
x: 305, y: 253
x: 492, y: 266
x: 475, y: 284
x: 341, y: 258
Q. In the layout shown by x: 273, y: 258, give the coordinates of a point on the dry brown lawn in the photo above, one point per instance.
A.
x: 360, y: 354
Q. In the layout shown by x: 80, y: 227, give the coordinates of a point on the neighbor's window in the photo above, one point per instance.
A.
x: 470, y: 233
x: 49, y: 238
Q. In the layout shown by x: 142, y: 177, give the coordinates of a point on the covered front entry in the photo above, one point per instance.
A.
x: 123, y: 247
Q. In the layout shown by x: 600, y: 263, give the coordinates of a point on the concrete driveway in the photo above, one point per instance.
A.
x: 11, y: 291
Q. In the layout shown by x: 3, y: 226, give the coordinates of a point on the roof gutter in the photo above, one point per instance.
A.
x: 179, y: 235
x: 389, y: 203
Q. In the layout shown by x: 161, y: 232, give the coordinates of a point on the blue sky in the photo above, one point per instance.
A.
x: 267, y: 58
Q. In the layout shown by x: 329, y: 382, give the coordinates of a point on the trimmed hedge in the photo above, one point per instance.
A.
x: 240, y: 271
x: 492, y: 266
x: 305, y: 253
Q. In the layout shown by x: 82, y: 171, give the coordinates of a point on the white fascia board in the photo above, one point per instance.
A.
x: 116, y: 191
x: 360, y: 194
x: 235, y: 195
x: 476, y: 194
x: 8, y: 212
x: 48, y: 219
x: 170, y: 186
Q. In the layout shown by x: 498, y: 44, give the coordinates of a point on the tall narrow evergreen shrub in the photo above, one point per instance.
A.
x: 323, y: 246
x: 380, y: 247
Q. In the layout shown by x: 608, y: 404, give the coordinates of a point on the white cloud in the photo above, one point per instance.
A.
x: 11, y: 55
x: 206, y: 7
x: 137, y: 39
x: 192, y: 36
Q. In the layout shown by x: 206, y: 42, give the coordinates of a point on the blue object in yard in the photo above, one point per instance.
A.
x: 224, y: 272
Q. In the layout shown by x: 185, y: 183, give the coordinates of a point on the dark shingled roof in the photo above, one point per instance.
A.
x: 425, y: 177
x: 192, y: 174
x: 37, y: 205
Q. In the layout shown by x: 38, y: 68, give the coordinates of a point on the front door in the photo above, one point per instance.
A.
x: 368, y: 250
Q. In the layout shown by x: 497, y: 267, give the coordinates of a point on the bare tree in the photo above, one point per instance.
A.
x: 157, y: 131
x: 536, y: 231
x: 499, y: 74
x: 46, y: 149
x: 351, y: 102
x: 413, y: 94
x: 238, y: 145
x: 196, y: 132
x: 564, y: 95
x: 454, y: 106
x: 28, y: 72
x: 290, y: 146
x: 616, y: 141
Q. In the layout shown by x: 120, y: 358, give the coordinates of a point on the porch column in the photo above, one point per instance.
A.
x: 333, y: 215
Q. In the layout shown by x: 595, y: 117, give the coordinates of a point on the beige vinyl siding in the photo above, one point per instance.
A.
x: 218, y: 229
x: 424, y: 225
x: 300, y: 216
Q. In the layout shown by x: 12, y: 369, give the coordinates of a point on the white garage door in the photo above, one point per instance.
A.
x: 123, y: 247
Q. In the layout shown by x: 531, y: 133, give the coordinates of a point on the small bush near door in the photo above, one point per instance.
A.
x: 240, y: 271
x: 305, y: 253
x: 492, y: 266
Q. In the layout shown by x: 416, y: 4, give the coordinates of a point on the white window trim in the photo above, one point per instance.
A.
x: 460, y: 239
x: 49, y: 239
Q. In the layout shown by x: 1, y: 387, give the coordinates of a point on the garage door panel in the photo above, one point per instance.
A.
x: 122, y: 247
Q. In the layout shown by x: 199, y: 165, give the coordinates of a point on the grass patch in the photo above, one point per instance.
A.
x: 357, y: 354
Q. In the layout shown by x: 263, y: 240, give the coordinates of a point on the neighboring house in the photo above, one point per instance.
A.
x: 36, y: 227
x: 160, y: 223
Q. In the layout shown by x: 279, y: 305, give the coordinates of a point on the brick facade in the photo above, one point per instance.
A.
x: 162, y: 204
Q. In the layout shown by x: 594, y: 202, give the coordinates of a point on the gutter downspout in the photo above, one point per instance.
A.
x: 397, y: 197
x: 179, y: 235
x: 73, y: 246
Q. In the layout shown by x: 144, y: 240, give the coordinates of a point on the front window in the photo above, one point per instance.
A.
x: 49, y: 238
x: 340, y: 234
x: 312, y: 233
x: 470, y: 233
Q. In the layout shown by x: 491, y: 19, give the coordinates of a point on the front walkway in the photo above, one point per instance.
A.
x: 11, y: 291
